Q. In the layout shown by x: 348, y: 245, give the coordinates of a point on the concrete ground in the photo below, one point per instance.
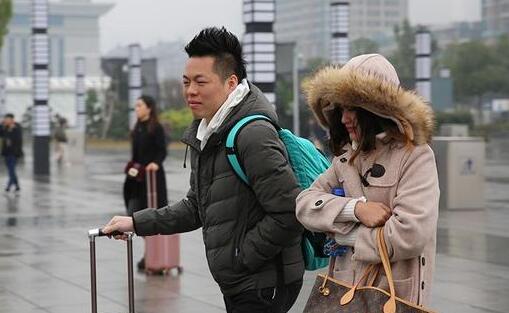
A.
x: 44, y: 254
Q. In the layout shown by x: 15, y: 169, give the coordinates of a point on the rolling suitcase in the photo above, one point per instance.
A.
x: 92, y: 234
x: 162, y: 252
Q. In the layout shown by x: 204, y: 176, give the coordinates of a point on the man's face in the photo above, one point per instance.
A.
x: 204, y: 90
x: 8, y: 121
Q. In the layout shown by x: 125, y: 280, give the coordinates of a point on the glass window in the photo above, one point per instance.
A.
x: 55, y: 20
x: 20, y: 20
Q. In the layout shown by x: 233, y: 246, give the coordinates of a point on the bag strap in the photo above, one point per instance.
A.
x: 372, y: 270
x: 231, y: 144
x: 390, y: 305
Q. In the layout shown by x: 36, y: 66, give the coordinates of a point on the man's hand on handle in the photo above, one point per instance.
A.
x: 119, y: 223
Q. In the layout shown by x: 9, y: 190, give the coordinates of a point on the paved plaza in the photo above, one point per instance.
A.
x: 44, y: 253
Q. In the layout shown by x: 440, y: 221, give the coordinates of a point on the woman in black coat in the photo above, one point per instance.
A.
x: 148, y: 144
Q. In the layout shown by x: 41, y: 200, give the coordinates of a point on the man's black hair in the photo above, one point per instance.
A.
x: 224, y: 47
x: 9, y: 115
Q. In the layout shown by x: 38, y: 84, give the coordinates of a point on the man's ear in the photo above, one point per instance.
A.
x: 232, y: 82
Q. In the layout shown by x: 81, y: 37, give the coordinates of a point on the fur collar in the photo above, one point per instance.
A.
x: 348, y: 87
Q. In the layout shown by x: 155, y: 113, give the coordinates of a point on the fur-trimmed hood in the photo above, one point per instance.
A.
x: 360, y: 86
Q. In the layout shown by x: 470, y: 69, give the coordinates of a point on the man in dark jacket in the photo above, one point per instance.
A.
x: 12, y: 148
x: 252, y: 238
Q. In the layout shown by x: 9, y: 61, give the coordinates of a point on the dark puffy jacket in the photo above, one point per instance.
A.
x: 251, y: 235
x: 12, y: 143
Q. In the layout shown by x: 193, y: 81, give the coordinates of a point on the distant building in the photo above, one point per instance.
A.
x: 307, y: 22
x: 495, y: 16
x: 73, y: 31
x: 171, y: 58
x: 117, y: 69
x: 457, y: 33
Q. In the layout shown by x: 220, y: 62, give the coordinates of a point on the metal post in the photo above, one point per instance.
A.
x: 135, y: 83
x: 423, y: 63
x: 130, y: 276
x: 81, y: 117
x: 339, y: 24
x: 259, y: 45
x: 295, y: 74
x: 3, y: 108
x: 93, y: 280
x: 40, y: 92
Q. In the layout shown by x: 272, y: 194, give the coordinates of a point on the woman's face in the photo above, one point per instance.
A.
x: 349, y: 119
x: 142, y: 111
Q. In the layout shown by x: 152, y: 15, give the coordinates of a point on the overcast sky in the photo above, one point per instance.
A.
x: 150, y: 21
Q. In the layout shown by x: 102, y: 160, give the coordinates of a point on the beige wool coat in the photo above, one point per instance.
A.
x: 409, y: 186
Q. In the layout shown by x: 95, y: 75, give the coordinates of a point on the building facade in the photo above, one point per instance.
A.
x: 73, y: 29
x: 495, y: 16
x: 308, y: 22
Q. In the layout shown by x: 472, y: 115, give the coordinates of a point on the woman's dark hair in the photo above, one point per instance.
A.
x: 153, y: 120
x: 369, y: 124
x: 224, y: 47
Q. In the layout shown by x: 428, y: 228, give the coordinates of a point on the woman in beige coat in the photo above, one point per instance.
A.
x: 379, y: 136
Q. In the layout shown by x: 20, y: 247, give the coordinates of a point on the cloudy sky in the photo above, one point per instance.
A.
x: 150, y: 21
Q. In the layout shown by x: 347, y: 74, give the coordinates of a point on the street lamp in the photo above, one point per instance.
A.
x: 40, y: 87
x: 135, y: 81
x: 339, y: 25
x: 81, y: 120
x: 423, y: 63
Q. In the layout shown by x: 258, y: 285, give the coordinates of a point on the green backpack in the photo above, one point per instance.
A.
x: 307, y: 163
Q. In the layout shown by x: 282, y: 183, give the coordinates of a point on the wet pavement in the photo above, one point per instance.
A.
x: 44, y: 254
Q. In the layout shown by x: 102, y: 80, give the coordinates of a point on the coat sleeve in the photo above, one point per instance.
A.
x: 160, y: 145
x: 180, y: 217
x: 414, y: 212
x: 271, y: 178
x: 318, y: 209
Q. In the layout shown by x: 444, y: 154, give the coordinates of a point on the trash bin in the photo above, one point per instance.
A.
x: 460, y: 163
x: 457, y: 130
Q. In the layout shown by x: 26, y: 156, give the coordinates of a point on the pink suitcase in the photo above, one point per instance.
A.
x: 162, y: 252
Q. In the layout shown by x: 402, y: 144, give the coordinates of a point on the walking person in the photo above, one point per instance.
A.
x: 148, y: 151
x: 60, y: 139
x: 379, y: 134
x: 12, y: 149
x: 251, y: 234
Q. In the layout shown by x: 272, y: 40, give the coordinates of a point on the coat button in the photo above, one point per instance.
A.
x: 422, y: 285
x: 343, y: 160
x: 423, y: 261
x: 318, y: 203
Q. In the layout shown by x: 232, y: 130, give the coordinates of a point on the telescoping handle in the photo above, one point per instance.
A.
x: 97, y: 232
x: 151, y: 189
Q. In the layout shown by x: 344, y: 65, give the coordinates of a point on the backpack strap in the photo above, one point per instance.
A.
x: 231, y: 143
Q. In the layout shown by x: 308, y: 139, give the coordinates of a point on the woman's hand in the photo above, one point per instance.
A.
x: 372, y: 214
x: 152, y: 167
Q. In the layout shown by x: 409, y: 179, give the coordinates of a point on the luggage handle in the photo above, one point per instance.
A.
x: 151, y: 189
x: 97, y: 232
